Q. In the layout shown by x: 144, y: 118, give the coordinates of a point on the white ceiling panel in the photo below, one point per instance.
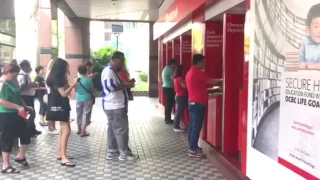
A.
x: 135, y: 10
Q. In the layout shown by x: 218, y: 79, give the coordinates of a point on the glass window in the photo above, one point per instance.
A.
x: 7, y: 53
x: 8, y: 26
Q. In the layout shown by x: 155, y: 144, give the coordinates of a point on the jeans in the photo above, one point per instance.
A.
x: 182, y: 102
x: 197, y: 114
x: 43, y: 106
x: 170, y: 94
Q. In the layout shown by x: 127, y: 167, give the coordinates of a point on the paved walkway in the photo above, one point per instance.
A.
x: 162, y: 152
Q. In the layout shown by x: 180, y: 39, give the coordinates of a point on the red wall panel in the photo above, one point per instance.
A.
x: 233, y: 59
x: 176, y: 50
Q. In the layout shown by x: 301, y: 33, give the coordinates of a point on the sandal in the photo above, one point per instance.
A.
x: 43, y: 124
x: 69, y: 157
x: 68, y: 164
x: 10, y: 170
x: 23, y: 162
x: 84, y: 135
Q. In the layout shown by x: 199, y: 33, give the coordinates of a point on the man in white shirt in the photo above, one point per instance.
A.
x: 28, y: 92
x: 115, y: 99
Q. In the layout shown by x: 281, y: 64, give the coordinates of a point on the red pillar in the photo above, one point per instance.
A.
x: 77, y: 43
x: 45, y: 33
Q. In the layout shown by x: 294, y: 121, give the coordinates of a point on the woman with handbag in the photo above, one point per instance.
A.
x: 59, y: 106
x: 85, y: 100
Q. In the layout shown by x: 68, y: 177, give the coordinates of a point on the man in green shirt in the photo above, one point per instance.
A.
x: 168, y: 89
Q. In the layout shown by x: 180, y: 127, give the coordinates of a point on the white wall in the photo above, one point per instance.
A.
x: 26, y: 30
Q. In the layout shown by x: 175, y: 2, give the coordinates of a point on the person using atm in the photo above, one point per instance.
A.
x: 197, y: 82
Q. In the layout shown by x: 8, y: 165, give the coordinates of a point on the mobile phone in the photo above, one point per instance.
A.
x: 132, y: 80
x: 25, y: 116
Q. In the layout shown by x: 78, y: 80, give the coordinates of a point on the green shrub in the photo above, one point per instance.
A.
x: 143, y: 77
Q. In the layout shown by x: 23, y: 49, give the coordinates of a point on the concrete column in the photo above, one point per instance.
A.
x: 77, y: 44
x: 153, y: 64
x: 45, y: 34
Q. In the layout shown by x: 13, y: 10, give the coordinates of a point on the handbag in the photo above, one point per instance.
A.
x: 87, y: 90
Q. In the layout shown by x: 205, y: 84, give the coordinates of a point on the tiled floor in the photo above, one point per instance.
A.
x: 162, y: 152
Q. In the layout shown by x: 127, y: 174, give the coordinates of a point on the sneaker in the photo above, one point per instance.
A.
x: 178, y: 130
x: 111, y: 156
x: 55, y: 132
x: 129, y: 157
x: 197, y: 154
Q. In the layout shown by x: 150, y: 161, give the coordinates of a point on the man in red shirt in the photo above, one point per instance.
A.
x: 197, y: 83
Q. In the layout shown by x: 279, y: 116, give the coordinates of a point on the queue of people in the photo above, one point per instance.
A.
x: 190, y: 92
x: 52, y: 89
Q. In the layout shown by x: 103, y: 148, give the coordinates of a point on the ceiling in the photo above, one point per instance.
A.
x: 131, y: 10
x: 238, y: 9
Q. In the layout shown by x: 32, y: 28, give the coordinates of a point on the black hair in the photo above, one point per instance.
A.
x: 314, y: 12
x: 172, y: 61
x: 58, y: 73
x: 38, y: 69
x: 179, y: 71
x: 10, y: 68
x: 14, y: 61
x: 88, y: 63
x: 82, y: 69
x: 197, y: 58
x: 24, y: 63
x: 117, y: 55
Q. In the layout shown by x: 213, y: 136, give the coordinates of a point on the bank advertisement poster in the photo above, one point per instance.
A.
x: 286, y: 84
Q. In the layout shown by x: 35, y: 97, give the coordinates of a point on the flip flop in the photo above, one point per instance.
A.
x: 84, y: 135
x: 68, y: 164
x: 69, y: 157
x: 10, y: 170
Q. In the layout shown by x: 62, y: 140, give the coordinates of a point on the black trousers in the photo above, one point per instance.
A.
x: 170, y: 95
x: 29, y: 100
x: 12, y: 126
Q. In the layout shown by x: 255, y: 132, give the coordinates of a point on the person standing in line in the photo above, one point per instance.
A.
x: 114, y: 101
x: 51, y: 124
x: 85, y: 100
x: 12, y: 123
x: 41, y: 91
x: 28, y: 93
x: 59, y: 106
x: 168, y: 89
x: 197, y: 82
x: 181, y: 97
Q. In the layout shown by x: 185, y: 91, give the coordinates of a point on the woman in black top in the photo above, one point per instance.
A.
x: 59, y: 106
x: 41, y: 91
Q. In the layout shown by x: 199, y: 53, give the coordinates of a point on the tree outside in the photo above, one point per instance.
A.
x: 102, y: 57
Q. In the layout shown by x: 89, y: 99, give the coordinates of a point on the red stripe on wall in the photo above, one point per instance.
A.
x: 297, y: 170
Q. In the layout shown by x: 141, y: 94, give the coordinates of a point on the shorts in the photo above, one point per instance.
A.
x: 12, y: 126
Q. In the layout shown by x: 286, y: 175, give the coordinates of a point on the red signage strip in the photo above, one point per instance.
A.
x: 178, y: 11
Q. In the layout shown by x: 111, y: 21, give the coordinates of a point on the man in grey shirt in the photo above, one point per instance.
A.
x: 28, y: 93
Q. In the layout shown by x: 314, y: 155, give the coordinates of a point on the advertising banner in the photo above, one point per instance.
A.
x: 286, y: 84
x: 186, y: 56
x: 176, y: 50
x: 213, y: 49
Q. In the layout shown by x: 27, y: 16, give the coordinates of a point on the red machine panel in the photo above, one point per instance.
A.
x: 233, y: 59
x: 214, y: 128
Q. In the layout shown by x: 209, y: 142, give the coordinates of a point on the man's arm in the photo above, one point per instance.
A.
x: 23, y: 84
x: 110, y: 83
